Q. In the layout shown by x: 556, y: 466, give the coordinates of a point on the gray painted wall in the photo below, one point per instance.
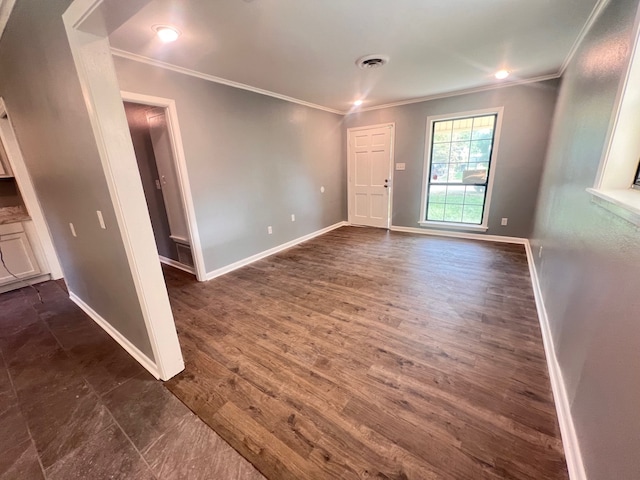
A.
x: 143, y: 146
x: 590, y: 264
x: 252, y: 161
x: 39, y: 84
x: 528, y: 110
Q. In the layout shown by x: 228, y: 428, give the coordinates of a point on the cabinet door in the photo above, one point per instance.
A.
x: 18, y: 257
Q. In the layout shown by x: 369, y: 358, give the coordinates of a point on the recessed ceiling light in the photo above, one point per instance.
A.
x: 357, y: 103
x: 166, y: 33
x: 502, y: 74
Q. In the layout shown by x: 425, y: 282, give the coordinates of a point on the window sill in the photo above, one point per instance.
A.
x: 453, y: 226
x: 623, y: 203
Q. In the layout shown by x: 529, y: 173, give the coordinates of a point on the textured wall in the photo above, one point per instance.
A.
x: 528, y: 110
x: 252, y: 161
x: 590, y: 263
x: 39, y: 84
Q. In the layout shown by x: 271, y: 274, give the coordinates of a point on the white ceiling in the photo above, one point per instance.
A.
x: 306, y: 49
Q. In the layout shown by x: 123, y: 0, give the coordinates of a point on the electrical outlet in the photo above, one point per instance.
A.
x: 293, y: 217
x: 322, y: 189
x: 540, y: 252
x: 269, y: 230
x: 504, y: 222
x: 73, y: 230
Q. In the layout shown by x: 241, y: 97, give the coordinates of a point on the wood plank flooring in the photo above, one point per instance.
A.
x: 372, y: 354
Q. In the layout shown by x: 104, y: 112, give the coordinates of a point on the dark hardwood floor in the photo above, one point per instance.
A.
x: 370, y: 354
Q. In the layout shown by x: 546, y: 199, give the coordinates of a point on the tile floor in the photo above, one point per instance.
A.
x: 75, y: 405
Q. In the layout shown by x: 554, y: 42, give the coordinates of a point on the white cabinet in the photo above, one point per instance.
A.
x: 17, y: 254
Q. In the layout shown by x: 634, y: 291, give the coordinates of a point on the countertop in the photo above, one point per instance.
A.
x: 13, y: 215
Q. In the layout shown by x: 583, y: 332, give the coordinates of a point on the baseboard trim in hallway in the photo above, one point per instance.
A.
x: 140, y: 357
x: 570, y: 442
x: 259, y: 256
x: 178, y: 265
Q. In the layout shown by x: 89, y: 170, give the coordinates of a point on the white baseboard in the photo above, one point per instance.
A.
x: 470, y: 236
x: 180, y: 266
x: 24, y: 282
x: 567, y: 429
x: 142, y: 359
x: 271, y: 251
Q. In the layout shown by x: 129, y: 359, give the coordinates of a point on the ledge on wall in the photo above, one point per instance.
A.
x: 624, y: 203
x: 468, y: 235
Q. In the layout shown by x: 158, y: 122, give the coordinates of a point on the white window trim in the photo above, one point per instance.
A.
x: 612, y: 188
x: 499, y: 111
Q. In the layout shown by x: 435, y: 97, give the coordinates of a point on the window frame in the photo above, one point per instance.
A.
x: 615, y: 187
x: 636, y: 180
x: 422, y: 221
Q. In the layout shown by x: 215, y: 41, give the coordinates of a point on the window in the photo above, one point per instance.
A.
x: 619, y: 169
x: 460, y: 150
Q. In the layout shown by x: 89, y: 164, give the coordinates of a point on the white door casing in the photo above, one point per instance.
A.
x: 370, y: 169
x: 168, y: 177
x: 180, y: 168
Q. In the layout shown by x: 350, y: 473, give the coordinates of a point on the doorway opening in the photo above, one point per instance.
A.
x: 151, y: 136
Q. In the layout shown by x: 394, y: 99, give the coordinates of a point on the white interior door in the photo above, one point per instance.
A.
x: 370, y: 156
x: 168, y: 177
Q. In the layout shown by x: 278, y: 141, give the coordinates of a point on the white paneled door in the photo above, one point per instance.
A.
x: 370, y: 153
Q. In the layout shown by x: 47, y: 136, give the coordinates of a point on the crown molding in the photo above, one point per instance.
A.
x: 458, y: 92
x: 6, y: 5
x: 595, y: 13
x: 211, y: 78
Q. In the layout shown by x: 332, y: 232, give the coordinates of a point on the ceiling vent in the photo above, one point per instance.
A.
x: 372, y: 61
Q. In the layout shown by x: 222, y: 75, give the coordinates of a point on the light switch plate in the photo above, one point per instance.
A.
x: 101, y: 220
x: 401, y: 166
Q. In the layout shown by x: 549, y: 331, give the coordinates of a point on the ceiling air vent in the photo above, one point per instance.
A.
x: 372, y: 61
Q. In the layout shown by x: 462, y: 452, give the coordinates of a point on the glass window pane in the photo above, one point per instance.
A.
x: 455, y: 173
x: 440, y: 153
x: 459, y: 152
x: 439, y: 172
x: 474, y: 195
x: 435, y: 212
x: 474, y: 175
x: 462, y: 129
x: 472, y: 214
x: 483, y: 127
x: 442, y: 131
x: 453, y: 213
x: 480, y: 151
x: 455, y: 195
x: 437, y: 194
